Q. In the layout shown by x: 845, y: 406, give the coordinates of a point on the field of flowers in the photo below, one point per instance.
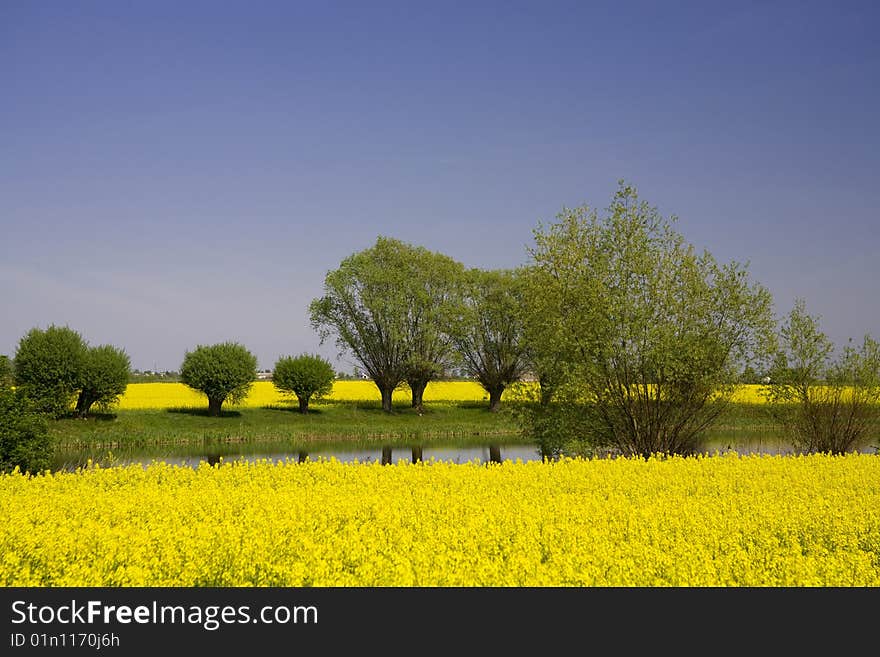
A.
x: 710, y: 521
x: 264, y: 393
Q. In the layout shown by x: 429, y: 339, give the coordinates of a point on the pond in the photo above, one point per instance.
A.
x: 474, y: 450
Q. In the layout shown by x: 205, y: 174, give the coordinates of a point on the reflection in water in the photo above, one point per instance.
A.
x: 473, y: 452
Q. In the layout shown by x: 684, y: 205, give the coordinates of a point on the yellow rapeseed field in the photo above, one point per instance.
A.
x: 264, y: 393
x: 709, y: 521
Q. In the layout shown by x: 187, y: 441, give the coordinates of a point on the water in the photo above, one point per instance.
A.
x: 350, y: 452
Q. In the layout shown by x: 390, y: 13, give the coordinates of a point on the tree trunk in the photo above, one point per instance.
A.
x: 494, y: 453
x: 83, y: 404
x: 303, y: 405
x: 386, y: 399
x: 214, y: 404
x: 386, y: 456
x: 302, y: 456
x: 416, y: 454
x: 418, y: 391
x: 495, y: 398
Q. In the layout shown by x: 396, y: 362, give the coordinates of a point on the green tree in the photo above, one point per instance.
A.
x: 104, y: 377
x: 433, y: 304
x: 223, y: 372
x: 6, y: 372
x: 307, y: 376
x: 48, y: 367
x: 489, y: 330
x: 646, y: 335
x: 386, y: 305
x: 825, y: 403
x: 24, y: 437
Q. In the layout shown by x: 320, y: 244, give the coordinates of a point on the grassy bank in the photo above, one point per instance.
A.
x: 343, y: 421
x: 362, y: 421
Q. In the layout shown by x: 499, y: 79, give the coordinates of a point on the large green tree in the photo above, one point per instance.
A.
x: 435, y: 295
x: 647, y: 334
x: 387, y: 306
x: 48, y: 367
x: 224, y: 372
x: 488, y: 333
x: 103, y: 378
x: 824, y: 401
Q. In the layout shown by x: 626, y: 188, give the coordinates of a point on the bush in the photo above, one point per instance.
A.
x: 24, y: 438
x: 825, y: 404
x: 105, y: 374
x: 223, y: 372
x: 307, y: 376
x: 48, y: 367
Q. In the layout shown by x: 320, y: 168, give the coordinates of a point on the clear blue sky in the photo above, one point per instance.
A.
x: 183, y: 173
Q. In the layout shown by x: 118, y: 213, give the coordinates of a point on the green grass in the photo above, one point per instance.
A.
x: 746, y: 427
x: 333, y: 422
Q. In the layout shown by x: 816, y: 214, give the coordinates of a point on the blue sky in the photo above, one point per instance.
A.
x: 183, y: 173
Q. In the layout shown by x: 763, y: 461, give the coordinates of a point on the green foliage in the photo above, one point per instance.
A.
x: 824, y: 403
x: 6, y: 372
x: 627, y: 321
x: 387, y: 306
x: 48, y: 367
x: 307, y: 376
x: 24, y: 438
x: 488, y: 332
x: 223, y: 372
x: 104, y: 377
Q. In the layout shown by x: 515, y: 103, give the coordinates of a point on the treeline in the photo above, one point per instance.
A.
x: 636, y: 340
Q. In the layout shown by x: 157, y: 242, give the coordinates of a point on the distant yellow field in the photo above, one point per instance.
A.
x: 264, y: 393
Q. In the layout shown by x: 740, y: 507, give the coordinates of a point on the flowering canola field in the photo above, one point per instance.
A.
x: 707, y: 521
x: 264, y: 393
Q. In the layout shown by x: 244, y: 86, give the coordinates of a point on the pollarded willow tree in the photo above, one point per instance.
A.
x: 103, y: 378
x: 435, y: 294
x: 223, y: 372
x: 48, y: 367
x: 387, y: 306
x: 647, y: 334
x: 488, y: 332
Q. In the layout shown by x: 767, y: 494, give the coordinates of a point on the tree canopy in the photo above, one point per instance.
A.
x: 388, y: 306
x: 49, y: 366
x: 645, y: 334
x: 223, y: 372
x: 307, y: 376
x: 488, y: 333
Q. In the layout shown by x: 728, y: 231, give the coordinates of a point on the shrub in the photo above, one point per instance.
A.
x: 24, y: 438
x: 824, y: 403
x: 307, y: 376
x: 224, y: 372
